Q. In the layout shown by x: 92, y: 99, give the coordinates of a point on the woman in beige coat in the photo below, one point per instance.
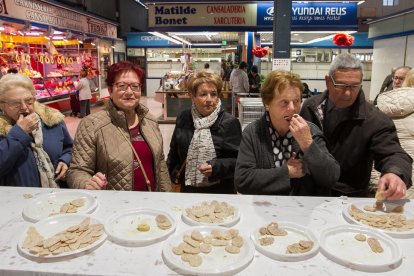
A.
x: 398, y: 104
x: 121, y: 147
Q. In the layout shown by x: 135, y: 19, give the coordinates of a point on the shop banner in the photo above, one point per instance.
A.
x: 146, y: 40
x: 190, y: 16
x: 215, y: 14
x: 51, y: 15
x: 313, y: 15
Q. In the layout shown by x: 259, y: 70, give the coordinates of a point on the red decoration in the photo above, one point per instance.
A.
x: 87, y: 65
x: 260, y: 52
x: 343, y: 39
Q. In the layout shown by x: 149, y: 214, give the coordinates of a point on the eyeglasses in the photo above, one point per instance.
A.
x: 123, y: 86
x: 398, y: 78
x: 344, y: 87
x: 18, y: 104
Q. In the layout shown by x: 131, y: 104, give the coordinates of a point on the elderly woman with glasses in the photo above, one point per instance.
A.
x: 205, y: 140
x: 121, y: 147
x: 281, y: 153
x: 35, y: 146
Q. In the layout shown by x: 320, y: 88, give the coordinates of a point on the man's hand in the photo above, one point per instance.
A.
x: 206, y: 169
x: 295, y: 167
x: 392, y: 186
x: 61, y: 170
x: 97, y: 182
x: 301, y: 132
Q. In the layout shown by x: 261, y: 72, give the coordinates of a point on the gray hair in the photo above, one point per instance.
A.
x: 345, y: 61
x: 11, y: 81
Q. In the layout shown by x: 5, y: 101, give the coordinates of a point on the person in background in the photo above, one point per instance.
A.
x: 397, y: 79
x: 206, y: 138
x: 12, y: 71
x: 206, y: 66
x: 398, y: 104
x: 84, y: 94
x: 358, y: 134
x: 281, y: 153
x: 223, y: 68
x: 307, y: 93
x: 387, y: 83
x: 106, y: 141
x: 239, y: 81
x: 254, y: 80
x: 35, y: 146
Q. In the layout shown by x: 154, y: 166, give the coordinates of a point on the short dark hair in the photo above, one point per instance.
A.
x: 254, y: 69
x: 117, y: 69
x: 206, y: 65
x: 242, y: 65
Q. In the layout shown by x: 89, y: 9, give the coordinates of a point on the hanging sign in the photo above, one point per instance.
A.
x: 56, y: 16
x: 231, y: 16
x: 313, y: 15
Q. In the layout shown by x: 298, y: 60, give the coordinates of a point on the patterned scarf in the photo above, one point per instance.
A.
x: 44, y: 165
x: 282, y: 146
x: 201, y: 148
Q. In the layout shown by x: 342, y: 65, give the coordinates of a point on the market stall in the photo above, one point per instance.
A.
x: 52, y: 44
x: 174, y: 96
x: 323, y: 220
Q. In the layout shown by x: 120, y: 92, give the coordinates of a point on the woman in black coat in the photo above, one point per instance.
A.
x: 206, y: 139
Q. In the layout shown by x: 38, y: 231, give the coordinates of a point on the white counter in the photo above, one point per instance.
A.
x: 113, y: 259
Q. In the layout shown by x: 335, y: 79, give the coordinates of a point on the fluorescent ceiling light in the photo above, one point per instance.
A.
x: 33, y: 33
x: 320, y: 39
x: 311, y: 32
x: 163, y: 36
x: 181, y: 39
x: 194, y: 33
x: 206, y: 44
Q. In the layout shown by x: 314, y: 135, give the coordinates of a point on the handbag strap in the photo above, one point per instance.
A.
x: 147, y: 182
x: 177, y: 176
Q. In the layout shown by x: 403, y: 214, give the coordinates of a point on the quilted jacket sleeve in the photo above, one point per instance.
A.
x: 164, y: 177
x: 82, y: 167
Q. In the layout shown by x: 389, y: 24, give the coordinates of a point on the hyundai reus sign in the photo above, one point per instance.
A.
x: 312, y: 15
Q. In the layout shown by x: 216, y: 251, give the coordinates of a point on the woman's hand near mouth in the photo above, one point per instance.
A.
x: 301, y: 132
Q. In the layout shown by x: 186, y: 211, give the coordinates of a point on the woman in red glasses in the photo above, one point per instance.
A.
x: 121, y: 147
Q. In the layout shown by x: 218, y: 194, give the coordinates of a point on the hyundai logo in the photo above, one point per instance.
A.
x: 270, y: 11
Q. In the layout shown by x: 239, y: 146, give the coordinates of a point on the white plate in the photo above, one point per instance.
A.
x: 339, y: 244
x: 389, y: 206
x: 229, y: 221
x: 42, y: 206
x: 277, y: 250
x: 122, y: 227
x: 217, y: 262
x: 53, y: 225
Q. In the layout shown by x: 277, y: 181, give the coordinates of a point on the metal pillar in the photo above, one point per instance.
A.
x: 281, y: 28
